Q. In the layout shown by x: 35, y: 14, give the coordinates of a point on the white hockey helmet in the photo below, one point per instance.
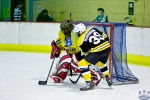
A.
x: 79, y: 28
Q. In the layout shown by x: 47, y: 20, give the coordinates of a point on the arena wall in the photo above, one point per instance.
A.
x: 36, y: 37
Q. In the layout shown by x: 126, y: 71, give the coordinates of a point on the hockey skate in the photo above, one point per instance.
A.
x: 108, y: 80
x: 89, y: 86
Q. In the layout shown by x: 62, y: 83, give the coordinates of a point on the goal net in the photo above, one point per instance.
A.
x: 118, y: 65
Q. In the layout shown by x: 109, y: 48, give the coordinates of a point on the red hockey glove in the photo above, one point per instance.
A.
x: 55, y: 50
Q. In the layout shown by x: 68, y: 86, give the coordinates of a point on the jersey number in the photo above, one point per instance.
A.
x: 96, y: 38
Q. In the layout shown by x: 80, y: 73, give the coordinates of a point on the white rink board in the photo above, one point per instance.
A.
x: 137, y: 38
x: 9, y: 33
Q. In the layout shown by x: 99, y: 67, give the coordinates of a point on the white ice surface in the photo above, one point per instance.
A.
x: 20, y: 73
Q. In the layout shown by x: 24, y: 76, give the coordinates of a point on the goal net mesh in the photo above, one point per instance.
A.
x: 118, y: 65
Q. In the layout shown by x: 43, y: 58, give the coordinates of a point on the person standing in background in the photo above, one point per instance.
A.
x: 101, y: 17
x: 44, y: 16
x: 19, y: 15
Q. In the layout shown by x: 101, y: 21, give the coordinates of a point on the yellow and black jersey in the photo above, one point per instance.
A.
x: 73, y: 48
x: 93, y: 40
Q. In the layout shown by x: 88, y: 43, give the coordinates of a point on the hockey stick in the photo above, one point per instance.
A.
x: 45, y: 82
x: 74, y: 82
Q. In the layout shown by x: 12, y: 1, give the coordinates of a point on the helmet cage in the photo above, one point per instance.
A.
x: 66, y: 24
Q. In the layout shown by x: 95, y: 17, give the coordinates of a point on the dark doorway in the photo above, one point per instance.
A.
x: 13, y: 5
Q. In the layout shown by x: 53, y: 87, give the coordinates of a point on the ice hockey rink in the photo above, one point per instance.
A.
x: 20, y: 73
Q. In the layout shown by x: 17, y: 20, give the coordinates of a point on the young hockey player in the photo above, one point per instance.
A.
x: 95, y: 44
x: 66, y: 43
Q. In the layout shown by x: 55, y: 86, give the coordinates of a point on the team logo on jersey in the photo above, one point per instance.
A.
x: 68, y: 42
